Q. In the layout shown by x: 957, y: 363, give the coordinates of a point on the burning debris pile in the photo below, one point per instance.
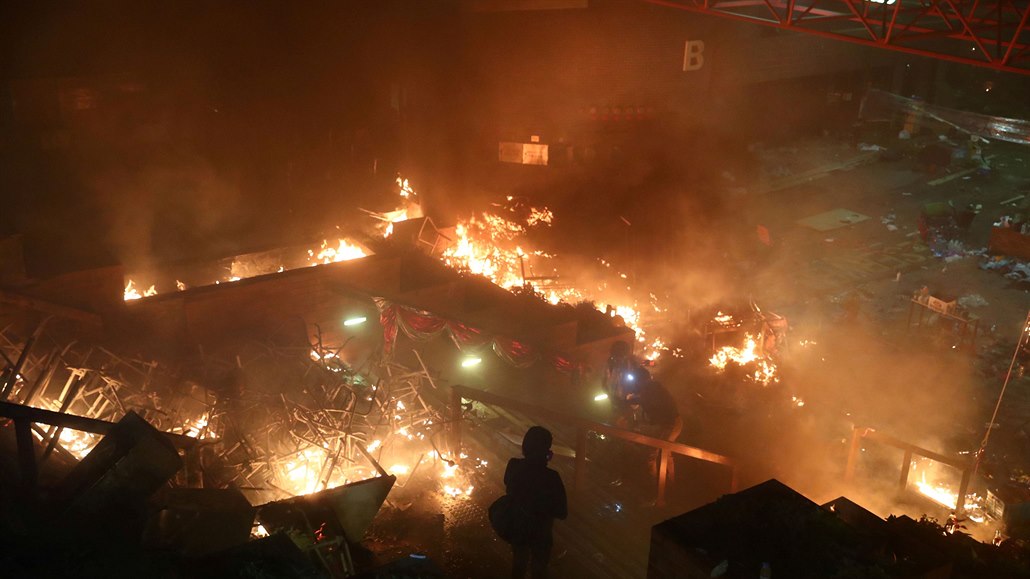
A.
x: 294, y: 430
x: 746, y: 344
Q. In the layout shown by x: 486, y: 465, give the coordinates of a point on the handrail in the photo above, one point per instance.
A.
x: 584, y: 425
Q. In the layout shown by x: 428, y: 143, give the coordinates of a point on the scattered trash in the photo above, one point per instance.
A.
x: 1020, y: 272
x: 953, y: 249
x: 904, y: 135
x: 1012, y: 269
x: 868, y: 147
x: 972, y: 301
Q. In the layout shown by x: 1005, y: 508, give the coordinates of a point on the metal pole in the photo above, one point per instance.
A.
x: 579, y: 472
x: 1024, y: 332
x: 26, y: 454
x: 663, y: 472
x: 12, y: 376
x: 906, y: 464
x: 849, y: 468
x: 963, y: 490
x: 455, y: 420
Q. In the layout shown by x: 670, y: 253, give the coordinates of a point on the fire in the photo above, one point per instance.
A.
x: 724, y: 319
x: 132, y: 293
x: 78, y: 443
x: 344, y: 251
x: 198, y: 428
x: 456, y: 484
x: 761, y: 369
x: 308, y: 471
x: 480, y: 249
x: 300, y: 474
x: 410, y: 210
x: 493, y: 246
x: 944, y: 493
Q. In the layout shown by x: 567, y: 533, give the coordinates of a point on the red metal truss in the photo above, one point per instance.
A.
x: 988, y: 33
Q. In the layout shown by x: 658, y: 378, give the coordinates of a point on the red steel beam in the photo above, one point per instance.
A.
x: 944, y: 29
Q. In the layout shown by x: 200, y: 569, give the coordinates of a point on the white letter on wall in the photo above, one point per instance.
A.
x: 693, y: 55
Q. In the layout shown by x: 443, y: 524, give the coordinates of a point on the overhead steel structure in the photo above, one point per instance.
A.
x: 988, y: 33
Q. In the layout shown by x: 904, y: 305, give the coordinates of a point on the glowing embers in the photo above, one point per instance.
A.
x: 76, y: 442
x: 199, y: 428
x: 749, y: 358
x: 455, y: 481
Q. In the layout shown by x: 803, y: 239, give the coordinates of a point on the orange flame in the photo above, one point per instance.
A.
x: 764, y: 371
x: 132, y: 293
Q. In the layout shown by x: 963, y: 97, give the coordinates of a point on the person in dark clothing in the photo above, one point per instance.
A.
x: 618, y: 382
x: 540, y: 491
x: 661, y: 416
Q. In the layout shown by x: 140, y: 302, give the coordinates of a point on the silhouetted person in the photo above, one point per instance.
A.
x: 538, y: 490
x: 660, y: 415
x: 618, y: 381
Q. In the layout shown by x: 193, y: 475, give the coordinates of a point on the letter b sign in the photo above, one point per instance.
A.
x: 693, y: 55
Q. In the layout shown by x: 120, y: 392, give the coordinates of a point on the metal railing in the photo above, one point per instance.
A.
x: 584, y: 426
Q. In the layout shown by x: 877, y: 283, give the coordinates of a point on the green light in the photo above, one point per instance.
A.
x: 470, y: 362
x: 355, y: 321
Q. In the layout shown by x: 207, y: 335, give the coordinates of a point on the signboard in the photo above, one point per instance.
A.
x: 522, y: 153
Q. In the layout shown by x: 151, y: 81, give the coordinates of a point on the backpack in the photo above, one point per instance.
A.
x: 511, y: 521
